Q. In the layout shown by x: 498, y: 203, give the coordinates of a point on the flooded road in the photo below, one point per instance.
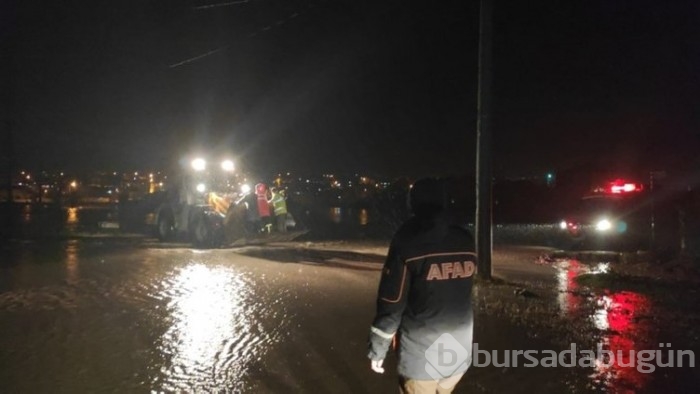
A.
x: 111, y: 315
x: 627, y: 323
x: 86, y: 317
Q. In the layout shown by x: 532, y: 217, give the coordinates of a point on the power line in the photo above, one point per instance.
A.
x: 250, y: 35
x: 194, y: 59
x: 217, y: 5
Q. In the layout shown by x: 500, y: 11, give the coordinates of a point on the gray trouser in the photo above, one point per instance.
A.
x: 442, y: 386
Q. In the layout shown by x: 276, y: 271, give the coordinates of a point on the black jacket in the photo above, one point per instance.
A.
x: 424, y: 292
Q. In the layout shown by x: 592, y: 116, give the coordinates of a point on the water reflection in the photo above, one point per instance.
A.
x: 621, y: 319
x: 339, y: 215
x: 72, y: 262
x: 72, y: 215
x: 27, y: 213
x: 364, y: 217
x: 336, y: 215
x: 211, y: 340
x: 567, y: 271
x: 620, y: 316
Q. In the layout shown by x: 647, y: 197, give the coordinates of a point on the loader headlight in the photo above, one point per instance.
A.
x: 199, y: 164
x: 201, y: 187
x: 227, y: 165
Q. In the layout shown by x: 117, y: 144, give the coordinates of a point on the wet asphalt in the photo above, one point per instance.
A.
x: 133, y: 315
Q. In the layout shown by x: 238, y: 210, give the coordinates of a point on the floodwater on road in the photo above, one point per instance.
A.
x: 37, y: 221
x: 94, y: 315
x: 84, y: 317
x: 625, y: 324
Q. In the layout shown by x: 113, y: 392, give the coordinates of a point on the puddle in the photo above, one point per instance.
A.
x: 621, y: 322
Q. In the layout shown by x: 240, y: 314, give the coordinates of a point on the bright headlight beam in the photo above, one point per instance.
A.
x: 199, y: 164
x: 201, y: 187
x: 603, y: 225
x: 227, y: 165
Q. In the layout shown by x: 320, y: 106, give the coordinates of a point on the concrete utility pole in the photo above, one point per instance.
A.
x: 483, y: 226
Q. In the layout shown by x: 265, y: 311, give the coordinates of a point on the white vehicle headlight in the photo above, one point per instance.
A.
x: 201, y: 187
x: 245, y: 189
x: 603, y: 225
x: 227, y: 165
x: 563, y: 225
x: 199, y: 164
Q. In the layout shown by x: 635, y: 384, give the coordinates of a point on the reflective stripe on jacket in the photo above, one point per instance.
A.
x: 279, y: 204
x: 424, y: 293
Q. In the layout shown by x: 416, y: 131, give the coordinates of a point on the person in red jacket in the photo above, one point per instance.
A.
x: 263, y: 205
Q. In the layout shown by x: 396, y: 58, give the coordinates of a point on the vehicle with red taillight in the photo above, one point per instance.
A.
x: 615, y: 216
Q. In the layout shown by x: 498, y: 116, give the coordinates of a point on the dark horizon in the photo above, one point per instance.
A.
x: 344, y: 86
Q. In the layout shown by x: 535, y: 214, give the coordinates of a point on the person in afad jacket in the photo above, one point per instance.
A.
x: 424, y: 297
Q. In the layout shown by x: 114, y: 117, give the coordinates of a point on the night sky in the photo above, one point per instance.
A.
x: 385, y: 86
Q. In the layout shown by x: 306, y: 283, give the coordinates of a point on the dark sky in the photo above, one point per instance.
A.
x: 382, y: 86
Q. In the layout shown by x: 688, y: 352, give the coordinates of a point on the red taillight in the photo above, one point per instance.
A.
x: 572, y: 227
